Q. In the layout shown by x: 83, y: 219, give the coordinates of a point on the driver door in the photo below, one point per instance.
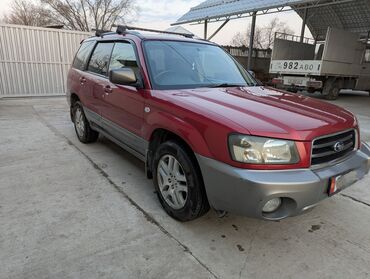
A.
x: 123, y: 110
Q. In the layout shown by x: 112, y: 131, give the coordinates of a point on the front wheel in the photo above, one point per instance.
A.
x: 311, y: 90
x: 82, y: 127
x: 178, y: 182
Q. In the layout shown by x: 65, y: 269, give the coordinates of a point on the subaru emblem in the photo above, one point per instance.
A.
x: 338, y: 146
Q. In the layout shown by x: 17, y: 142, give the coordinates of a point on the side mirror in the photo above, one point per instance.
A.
x: 252, y: 73
x: 123, y: 76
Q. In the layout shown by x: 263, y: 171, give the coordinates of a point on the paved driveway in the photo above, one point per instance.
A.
x: 69, y: 210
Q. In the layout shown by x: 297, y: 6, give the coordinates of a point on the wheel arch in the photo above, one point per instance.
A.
x: 159, y: 136
x: 73, y: 99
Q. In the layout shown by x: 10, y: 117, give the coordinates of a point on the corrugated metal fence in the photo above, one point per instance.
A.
x: 34, y: 61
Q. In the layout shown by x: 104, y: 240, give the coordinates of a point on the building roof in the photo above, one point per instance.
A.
x: 352, y: 15
x: 179, y: 29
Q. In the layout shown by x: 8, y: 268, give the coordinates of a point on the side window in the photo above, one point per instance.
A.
x: 123, y: 55
x: 82, y: 55
x: 100, y: 59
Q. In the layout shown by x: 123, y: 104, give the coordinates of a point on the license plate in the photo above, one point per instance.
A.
x: 298, y: 81
x: 340, y: 182
x: 311, y: 67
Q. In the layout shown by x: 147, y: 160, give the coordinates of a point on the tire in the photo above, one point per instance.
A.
x: 332, y: 88
x: 182, y: 195
x: 311, y: 90
x: 292, y: 90
x: 82, y: 127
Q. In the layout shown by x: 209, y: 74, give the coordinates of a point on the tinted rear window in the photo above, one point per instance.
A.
x: 99, y: 61
x: 82, y: 55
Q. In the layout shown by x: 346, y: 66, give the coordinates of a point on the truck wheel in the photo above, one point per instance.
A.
x: 292, y: 90
x: 311, y: 90
x: 82, y: 127
x: 178, y: 182
x: 333, y: 94
x: 331, y: 89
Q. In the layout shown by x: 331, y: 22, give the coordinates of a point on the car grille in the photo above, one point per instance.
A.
x: 332, y: 147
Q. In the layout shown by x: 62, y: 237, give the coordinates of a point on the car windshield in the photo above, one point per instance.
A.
x: 180, y: 65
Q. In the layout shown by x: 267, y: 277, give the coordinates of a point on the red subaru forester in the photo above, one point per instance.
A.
x: 209, y: 133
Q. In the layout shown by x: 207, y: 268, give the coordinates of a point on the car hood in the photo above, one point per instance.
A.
x: 265, y: 111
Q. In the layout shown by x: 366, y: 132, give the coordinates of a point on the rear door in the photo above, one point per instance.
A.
x: 97, y: 76
x: 77, y: 76
x: 123, y: 109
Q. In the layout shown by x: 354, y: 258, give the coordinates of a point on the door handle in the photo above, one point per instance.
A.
x: 108, y: 89
x: 82, y: 80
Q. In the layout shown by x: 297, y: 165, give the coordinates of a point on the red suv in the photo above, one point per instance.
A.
x: 209, y: 133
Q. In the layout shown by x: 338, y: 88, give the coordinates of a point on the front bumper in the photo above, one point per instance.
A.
x: 245, y: 192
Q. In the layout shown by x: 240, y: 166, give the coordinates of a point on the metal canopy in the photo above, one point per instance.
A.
x: 351, y: 15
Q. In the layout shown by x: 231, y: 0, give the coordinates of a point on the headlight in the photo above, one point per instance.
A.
x: 258, y: 150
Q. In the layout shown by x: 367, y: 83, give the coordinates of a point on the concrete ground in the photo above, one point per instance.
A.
x: 69, y: 210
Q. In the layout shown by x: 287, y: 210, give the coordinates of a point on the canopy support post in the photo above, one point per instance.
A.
x: 303, y: 29
x: 218, y: 29
x: 251, y: 40
x: 205, y: 28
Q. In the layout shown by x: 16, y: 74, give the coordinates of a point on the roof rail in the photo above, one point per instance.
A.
x: 100, y: 33
x: 123, y: 29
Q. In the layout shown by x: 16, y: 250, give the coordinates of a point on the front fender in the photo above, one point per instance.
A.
x: 185, y: 130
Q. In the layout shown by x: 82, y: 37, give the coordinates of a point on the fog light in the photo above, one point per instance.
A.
x: 272, y: 205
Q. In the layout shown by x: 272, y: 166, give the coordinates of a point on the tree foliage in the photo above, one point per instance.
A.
x: 24, y: 12
x: 83, y: 15
x: 86, y: 15
x: 263, y: 36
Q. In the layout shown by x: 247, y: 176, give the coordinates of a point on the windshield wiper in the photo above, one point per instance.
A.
x: 226, y: 85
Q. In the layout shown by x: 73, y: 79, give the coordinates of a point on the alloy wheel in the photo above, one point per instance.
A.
x: 172, y: 182
x: 80, y: 122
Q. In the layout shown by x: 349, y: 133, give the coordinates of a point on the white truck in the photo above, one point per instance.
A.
x: 342, y: 61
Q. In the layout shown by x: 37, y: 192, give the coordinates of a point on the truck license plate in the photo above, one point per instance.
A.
x: 306, y: 67
x: 340, y: 182
x: 297, y: 81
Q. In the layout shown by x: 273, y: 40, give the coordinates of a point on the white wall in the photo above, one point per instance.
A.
x: 34, y: 61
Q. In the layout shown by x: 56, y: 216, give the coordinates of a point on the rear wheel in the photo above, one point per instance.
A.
x: 332, y: 88
x: 82, y: 127
x: 178, y: 182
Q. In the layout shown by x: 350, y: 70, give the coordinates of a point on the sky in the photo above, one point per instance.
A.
x: 159, y: 14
